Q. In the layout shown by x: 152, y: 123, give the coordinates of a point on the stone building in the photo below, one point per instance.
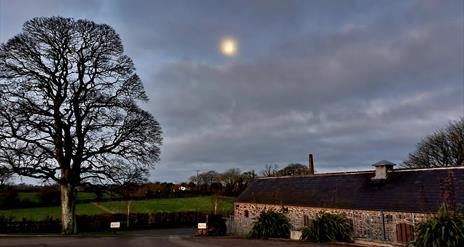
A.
x: 384, y: 204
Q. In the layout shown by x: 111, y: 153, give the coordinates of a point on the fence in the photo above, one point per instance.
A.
x: 92, y: 223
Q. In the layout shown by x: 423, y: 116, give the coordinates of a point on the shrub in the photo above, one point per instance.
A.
x: 444, y: 229
x: 49, y: 196
x: 271, y: 224
x: 327, y: 227
x: 9, y: 199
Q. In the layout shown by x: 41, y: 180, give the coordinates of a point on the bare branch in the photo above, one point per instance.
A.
x: 443, y: 148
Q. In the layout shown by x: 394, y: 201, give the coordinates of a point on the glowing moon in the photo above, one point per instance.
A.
x: 229, y: 47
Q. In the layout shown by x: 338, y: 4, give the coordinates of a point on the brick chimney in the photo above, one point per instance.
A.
x: 382, y: 168
x: 310, y: 165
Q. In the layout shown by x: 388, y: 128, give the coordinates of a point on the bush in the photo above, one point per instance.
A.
x: 49, y: 196
x: 9, y: 199
x: 327, y: 227
x: 271, y: 224
x: 444, y: 229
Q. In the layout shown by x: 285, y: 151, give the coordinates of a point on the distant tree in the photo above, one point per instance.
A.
x: 293, y: 169
x: 443, y: 148
x: 206, y: 180
x: 248, y: 176
x: 269, y: 171
x: 5, y: 176
x: 68, y: 107
x: 98, y: 190
x: 231, y: 180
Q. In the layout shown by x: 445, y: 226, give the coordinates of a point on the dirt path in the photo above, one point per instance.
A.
x: 103, y: 208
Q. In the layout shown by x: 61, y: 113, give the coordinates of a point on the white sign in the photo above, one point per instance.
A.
x: 115, y: 225
x: 202, y: 226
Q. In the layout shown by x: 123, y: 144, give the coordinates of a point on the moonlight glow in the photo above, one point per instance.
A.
x: 229, y: 47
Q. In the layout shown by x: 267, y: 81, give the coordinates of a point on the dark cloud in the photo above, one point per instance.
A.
x: 352, y: 82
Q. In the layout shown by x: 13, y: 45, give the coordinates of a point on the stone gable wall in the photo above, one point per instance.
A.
x: 374, y: 225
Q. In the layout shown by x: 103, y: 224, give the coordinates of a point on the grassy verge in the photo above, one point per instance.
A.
x: 198, y: 204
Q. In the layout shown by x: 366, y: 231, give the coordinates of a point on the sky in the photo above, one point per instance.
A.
x: 352, y: 82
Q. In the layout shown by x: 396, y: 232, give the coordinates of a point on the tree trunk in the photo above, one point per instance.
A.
x: 68, y: 210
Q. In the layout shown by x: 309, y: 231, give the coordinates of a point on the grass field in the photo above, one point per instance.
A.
x: 199, y: 204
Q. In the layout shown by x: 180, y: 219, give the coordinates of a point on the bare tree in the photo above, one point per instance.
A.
x: 443, y: 148
x: 68, y: 107
x: 248, y: 176
x: 270, y: 171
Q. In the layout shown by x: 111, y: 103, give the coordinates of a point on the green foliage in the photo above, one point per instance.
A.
x: 50, y: 196
x: 328, y: 227
x: 271, y: 224
x: 443, y: 229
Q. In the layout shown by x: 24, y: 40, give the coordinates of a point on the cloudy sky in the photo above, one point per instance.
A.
x: 352, y: 82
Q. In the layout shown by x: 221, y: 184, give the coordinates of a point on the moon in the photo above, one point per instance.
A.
x: 229, y: 47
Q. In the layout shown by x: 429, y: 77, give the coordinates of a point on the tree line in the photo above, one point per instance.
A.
x: 233, y: 181
x: 230, y: 182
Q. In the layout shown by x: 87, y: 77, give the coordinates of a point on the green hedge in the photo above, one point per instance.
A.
x: 94, y: 223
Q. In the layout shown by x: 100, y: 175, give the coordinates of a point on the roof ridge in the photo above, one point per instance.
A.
x: 368, y: 171
x: 321, y: 174
x: 429, y: 168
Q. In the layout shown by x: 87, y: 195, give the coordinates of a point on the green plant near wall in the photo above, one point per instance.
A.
x: 445, y: 228
x: 327, y: 227
x: 271, y: 224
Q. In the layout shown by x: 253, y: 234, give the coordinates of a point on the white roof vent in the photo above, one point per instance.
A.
x: 381, y: 169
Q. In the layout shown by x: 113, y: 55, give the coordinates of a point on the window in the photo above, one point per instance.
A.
x: 246, y: 213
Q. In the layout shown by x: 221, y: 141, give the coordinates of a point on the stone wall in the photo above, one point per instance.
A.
x: 374, y: 225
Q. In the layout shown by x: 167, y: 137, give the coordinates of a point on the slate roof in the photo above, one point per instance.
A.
x: 405, y: 190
